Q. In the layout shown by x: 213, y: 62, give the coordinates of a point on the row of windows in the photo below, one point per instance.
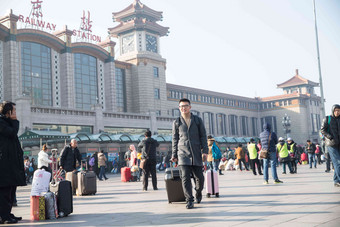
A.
x: 269, y: 105
x: 222, y: 124
x: 214, y: 100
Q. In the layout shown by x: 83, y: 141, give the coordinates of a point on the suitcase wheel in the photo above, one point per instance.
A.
x: 208, y: 195
x: 217, y: 195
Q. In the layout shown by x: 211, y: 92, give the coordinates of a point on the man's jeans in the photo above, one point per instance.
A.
x: 311, y: 158
x: 334, y: 153
x: 273, y: 162
x: 102, y: 172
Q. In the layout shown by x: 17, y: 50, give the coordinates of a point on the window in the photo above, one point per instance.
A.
x: 233, y: 125
x: 244, y: 125
x: 176, y: 113
x: 120, y: 90
x: 86, y: 81
x: 36, y: 73
x: 208, y: 122
x: 156, y: 93
x: 158, y: 113
x: 63, y: 128
x: 270, y: 120
x: 315, y: 122
x: 254, y: 126
x: 220, y: 124
x: 155, y: 72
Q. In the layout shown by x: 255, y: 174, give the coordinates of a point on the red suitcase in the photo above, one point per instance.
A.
x: 212, y: 183
x: 125, y: 174
x: 37, y: 208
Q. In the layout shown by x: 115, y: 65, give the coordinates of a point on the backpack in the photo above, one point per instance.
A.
x: 91, y: 162
x: 216, y: 152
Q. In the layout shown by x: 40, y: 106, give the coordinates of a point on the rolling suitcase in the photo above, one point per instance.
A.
x: 72, y: 177
x: 212, y: 183
x: 87, y: 182
x: 63, y: 192
x: 126, y: 174
x: 173, y: 185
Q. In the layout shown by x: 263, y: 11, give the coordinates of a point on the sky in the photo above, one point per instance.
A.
x: 239, y: 47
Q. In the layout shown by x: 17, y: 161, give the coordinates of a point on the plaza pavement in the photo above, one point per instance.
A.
x: 308, y: 198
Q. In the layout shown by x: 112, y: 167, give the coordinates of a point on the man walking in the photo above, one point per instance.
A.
x: 12, y: 173
x: 269, y: 141
x: 310, y: 148
x: 69, y: 155
x: 330, y: 128
x: 148, y: 147
x: 189, y: 140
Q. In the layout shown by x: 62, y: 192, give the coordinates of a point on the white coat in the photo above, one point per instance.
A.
x: 43, y: 159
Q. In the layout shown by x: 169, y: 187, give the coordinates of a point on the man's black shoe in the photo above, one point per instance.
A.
x: 198, y: 197
x: 14, y: 217
x: 327, y: 171
x: 155, y: 188
x: 8, y: 221
x: 189, y: 205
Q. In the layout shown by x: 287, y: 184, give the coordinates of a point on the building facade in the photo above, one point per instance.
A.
x: 60, y: 85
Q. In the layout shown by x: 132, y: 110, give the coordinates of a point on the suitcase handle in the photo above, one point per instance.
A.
x: 81, y: 165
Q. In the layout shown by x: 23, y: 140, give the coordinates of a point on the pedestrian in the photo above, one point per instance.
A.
x: 310, y: 148
x: 94, y: 161
x: 43, y: 159
x: 253, y: 156
x: 282, y: 149
x: 214, y: 157
x: 318, y: 153
x: 127, y: 157
x: 148, y: 147
x: 114, y: 166
x: 259, y: 146
x: 27, y: 169
x: 102, y: 164
x: 69, y: 155
x: 240, y: 156
x: 269, y: 141
x: 12, y: 172
x: 133, y: 155
x: 189, y: 141
x: 330, y: 129
x: 291, y: 145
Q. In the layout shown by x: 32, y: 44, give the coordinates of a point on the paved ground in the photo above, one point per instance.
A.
x: 308, y: 198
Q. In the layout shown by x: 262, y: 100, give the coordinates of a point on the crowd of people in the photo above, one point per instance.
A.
x: 192, y: 151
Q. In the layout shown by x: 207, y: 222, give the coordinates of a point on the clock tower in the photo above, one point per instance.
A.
x: 138, y: 30
x: 138, y: 36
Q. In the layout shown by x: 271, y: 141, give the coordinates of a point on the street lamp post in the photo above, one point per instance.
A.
x: 286, y: 125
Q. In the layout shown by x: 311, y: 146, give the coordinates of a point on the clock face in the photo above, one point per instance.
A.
x: 151, y: 43
x: 128, y: 44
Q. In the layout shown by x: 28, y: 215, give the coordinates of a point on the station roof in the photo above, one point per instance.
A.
x: 36, y: 134
x: 33, y: 138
